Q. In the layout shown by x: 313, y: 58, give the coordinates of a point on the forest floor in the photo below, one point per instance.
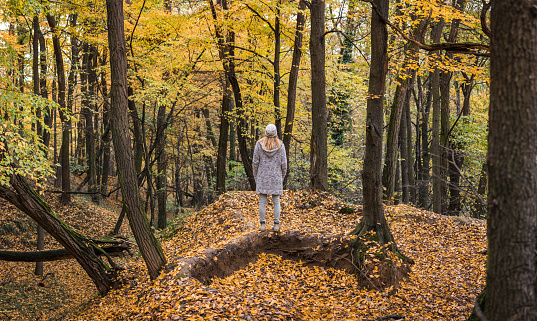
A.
x: 447, y: 275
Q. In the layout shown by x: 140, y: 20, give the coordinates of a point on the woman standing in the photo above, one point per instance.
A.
x: 270, y: 166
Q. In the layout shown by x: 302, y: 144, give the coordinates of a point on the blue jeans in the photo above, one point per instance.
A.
x: 263, y: 204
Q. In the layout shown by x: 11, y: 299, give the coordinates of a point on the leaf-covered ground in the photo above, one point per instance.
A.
x: 447, y: 275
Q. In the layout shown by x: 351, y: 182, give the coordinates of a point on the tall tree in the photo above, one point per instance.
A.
x: 405, y: 80
x: 221, y: 158
x: 436, y: 149
x: 319, y: 140
x: 512, y: 153
x: 36, y: 82
x: 148, y: 244
x: 66, y: 120
x: 227, y: 55
x: 373, y: 209
x: 293, y: 79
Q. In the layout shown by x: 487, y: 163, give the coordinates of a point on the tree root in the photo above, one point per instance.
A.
x: 312, y: 250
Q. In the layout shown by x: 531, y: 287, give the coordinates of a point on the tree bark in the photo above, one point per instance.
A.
x: 35, y: 69
x: 137, y: 131
x: 403, y: 141
x: 47, y: 118
x: 512, y: 153
x: 148, y: 244
x: 319, y: 140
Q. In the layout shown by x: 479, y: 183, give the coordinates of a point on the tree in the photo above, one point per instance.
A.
x: 293, y: 78
x: 148, y: 244
x: 373, y: 209
x: 66, y: 120
x: 227, y: 55
x: 512, y: 166
x: 319, y: 141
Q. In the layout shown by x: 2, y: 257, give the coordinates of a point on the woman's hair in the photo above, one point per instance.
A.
x: 269, y: 142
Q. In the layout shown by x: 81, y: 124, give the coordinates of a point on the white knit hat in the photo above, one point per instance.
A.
x: 271, y: 131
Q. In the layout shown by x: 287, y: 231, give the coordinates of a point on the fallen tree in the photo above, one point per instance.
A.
x: 57, y: 255
x: 86, y: 251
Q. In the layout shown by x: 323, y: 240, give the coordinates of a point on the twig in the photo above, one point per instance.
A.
x: 7, y: 279
x: 366, y: 277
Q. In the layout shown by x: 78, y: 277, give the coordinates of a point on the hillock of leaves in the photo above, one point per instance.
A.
x: 443, y: 283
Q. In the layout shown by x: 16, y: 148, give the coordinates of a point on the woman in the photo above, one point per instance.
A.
x: 270, y: 166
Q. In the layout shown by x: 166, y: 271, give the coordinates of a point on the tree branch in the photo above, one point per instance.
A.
x: 261, y: 17
x: 462, y: 47
x: 483, y: 17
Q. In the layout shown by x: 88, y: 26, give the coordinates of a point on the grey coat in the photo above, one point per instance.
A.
x: 269, y: 169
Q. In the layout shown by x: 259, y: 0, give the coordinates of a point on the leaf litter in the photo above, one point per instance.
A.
x: 447, y: 275
x: 443, y: 283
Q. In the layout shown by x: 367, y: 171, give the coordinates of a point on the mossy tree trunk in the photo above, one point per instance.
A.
x: 83, y: 249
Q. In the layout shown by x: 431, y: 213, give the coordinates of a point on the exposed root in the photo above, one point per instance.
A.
x: 312, y: 250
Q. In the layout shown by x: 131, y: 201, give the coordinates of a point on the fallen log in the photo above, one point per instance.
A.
x: 56, y: 255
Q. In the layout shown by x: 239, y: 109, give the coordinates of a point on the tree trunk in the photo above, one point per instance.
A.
x: 27, y: 200
x: 221, y: 159
x: 403, y: 141
x: 448, y: 168
x: 107, y: 136
x: 293, y: 79
x: 512, y: 153
x: 227, y: 56
x: 373, y: 209
x: 277, y: 77
x: 66, y: 122
x: 425, y: 159
x: 56, y: 255
x: 35, y: 70
x: 148, y: 244
x: 47, y: 119
x: 319, y: 140
x: 39, y: 130
x: 137, y: 131
x: 91, y: 125
x: 435, y: 145
x: 406, y: 81
x: 162, y: 166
